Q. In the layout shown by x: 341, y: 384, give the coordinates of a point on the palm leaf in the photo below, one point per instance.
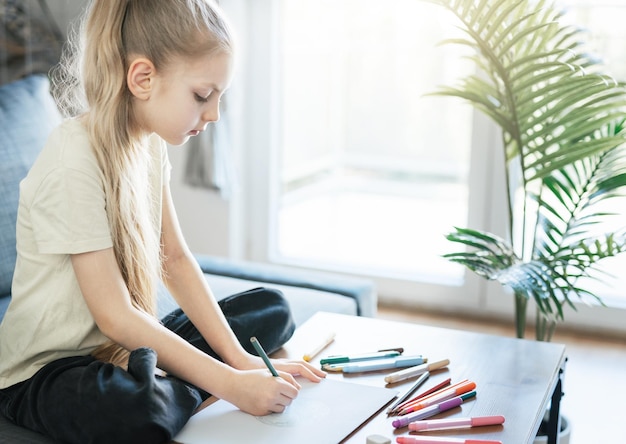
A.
x: 562, y: 122
x: 549, y: 281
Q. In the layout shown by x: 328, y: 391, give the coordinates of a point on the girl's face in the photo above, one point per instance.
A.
x: 185, y: 97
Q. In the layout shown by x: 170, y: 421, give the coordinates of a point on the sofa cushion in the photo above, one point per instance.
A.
x: 362, y: 291
x: 27, y: 115
x: 304, y: 302
x: 4, y: 304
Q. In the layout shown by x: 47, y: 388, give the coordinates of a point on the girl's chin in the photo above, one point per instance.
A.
x: 178, y: 141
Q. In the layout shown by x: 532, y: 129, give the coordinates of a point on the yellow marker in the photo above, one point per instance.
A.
x: 309, y: 356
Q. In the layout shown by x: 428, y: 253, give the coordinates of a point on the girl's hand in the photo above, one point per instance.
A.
x: 302, y: 368
x: 259, y: 393
x: 291, y: 367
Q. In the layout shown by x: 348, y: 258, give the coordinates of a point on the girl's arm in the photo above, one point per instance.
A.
x: 186, y: 282
x: 107, y: 297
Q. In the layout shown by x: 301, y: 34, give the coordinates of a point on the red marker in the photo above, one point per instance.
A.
x: 435, y: 392
x: 424, y: 394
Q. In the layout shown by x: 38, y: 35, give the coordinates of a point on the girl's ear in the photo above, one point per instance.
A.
x: 140, y: 77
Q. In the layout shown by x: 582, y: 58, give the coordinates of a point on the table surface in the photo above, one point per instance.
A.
x: 514, y: 377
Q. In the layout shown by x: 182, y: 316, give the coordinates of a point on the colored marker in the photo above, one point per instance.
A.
x: 415, y: 371
x: 257, y: 346
x: 425, y: 393
x: 321, y: 346
x: 398, y: 349
x: 434, y: 393
x: 422, y: 379
x: 435, y: 440
x: 432, y: 410
x: 453, y: 423
x: 438, y: 397
x: 380, y: 364
x: 360, y: 357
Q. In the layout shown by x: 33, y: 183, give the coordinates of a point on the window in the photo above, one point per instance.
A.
x: 366, y: 159
x: 354, y: 169
x: 604, y: 22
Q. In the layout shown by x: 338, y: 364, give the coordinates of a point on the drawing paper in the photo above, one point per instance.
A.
x: 322, y: 413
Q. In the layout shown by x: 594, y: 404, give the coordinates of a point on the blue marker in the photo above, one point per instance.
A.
x: 382, y: 364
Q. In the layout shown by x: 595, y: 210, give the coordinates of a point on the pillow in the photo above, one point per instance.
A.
x: 27, y: 115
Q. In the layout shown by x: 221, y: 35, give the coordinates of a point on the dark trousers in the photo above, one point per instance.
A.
x: 82, y: 400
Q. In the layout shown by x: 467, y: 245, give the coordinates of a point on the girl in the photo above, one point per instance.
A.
x: 97, y: 230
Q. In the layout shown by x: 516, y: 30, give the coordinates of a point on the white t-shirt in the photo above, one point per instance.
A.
x: 62, y: 211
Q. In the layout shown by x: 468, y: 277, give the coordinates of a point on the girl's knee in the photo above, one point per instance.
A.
x: 260, y: 312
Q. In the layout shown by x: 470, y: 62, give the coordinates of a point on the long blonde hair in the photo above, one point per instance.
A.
x: 92, y: 80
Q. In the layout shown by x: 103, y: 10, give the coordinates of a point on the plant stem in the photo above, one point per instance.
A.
x: 540, y: 325
x: 521, y: 301
x: 544, y: 327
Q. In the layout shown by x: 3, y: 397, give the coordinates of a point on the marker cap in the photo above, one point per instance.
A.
x: 447, y: 423
x: 450, y: 404
x: 377, y: 439
x: 487, y: 420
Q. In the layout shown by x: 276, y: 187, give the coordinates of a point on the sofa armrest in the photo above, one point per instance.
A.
x: 362, y: 291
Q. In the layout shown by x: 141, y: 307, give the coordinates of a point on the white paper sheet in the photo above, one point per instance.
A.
x: 322, y: 413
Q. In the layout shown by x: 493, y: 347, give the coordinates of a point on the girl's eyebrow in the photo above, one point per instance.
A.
x: 211, y: 86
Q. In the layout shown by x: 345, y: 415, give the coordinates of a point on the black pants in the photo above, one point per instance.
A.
x: 82, y: 400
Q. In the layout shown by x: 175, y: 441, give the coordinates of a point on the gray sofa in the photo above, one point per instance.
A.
x: 27, y: 114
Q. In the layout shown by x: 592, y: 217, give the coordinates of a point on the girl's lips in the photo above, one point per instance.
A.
x: 194, y: 132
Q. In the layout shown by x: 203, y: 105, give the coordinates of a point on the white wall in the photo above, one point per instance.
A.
x: 203, y: 214
x: 64, y: 11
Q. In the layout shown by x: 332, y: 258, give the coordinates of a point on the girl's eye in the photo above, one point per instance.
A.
x: 201, y: 99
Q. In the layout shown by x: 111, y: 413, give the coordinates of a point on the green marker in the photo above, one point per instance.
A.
x: 342, y: 359
x: 257, y: 346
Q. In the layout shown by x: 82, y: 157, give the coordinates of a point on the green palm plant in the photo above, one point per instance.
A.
x: 563, y: 134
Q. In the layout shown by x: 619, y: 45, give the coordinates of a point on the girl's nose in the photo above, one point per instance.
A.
x: 211, y: 113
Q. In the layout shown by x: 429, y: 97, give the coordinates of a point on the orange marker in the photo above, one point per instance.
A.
x: 426, y: 396
x: 444, y: 395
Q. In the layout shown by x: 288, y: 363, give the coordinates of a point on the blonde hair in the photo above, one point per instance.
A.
x: 92, y: 80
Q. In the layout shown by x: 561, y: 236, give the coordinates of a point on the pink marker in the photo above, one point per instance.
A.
x: 449, y: 423
x: 433, y: 440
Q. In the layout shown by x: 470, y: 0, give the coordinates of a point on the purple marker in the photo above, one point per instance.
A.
x: 428, y: 412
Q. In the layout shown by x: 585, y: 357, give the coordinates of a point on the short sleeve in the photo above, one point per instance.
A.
x: 68, y: 213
